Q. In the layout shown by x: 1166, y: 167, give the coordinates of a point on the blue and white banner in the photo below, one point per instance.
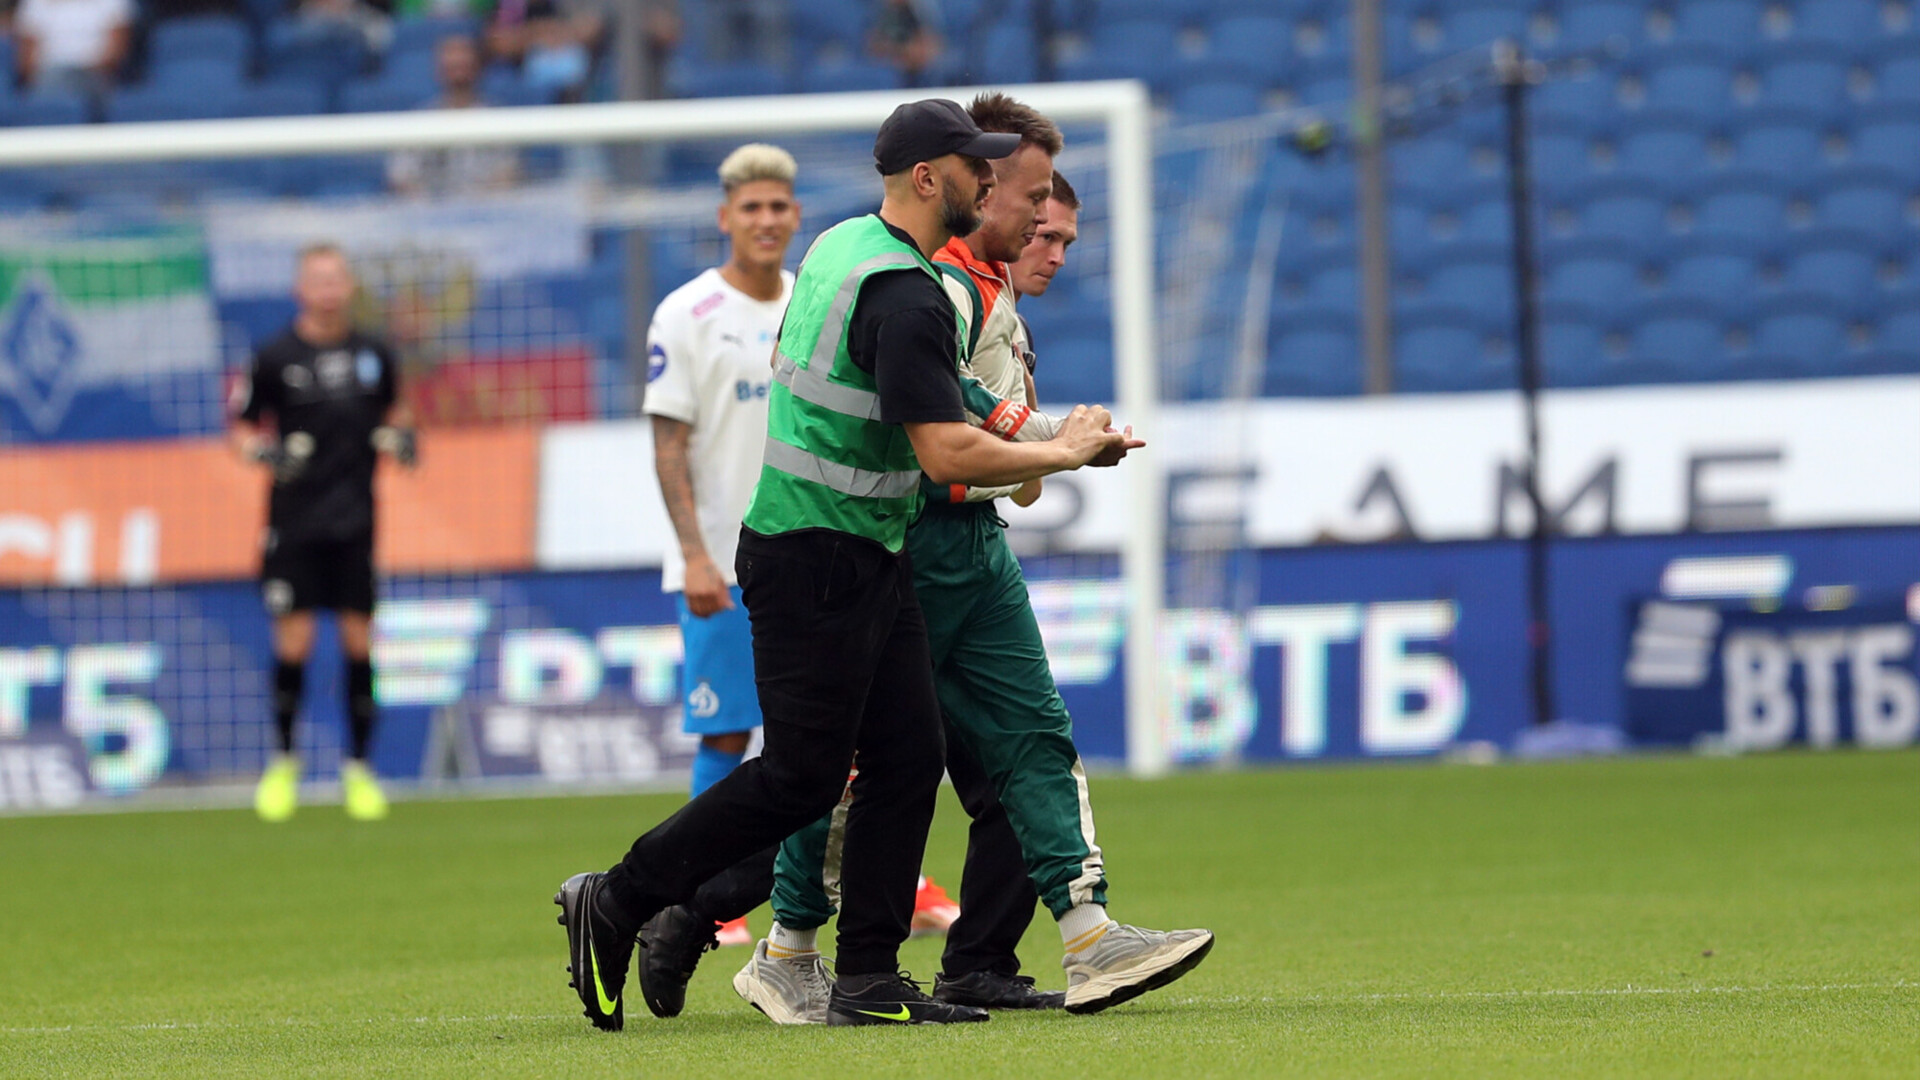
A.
x: 1339, y: 652
x: 1757, y: 679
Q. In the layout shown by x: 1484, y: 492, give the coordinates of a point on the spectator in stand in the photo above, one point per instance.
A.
x: 72, y: 46
x: 365, y: 20
x: 553, y: 41
x: 461, y: 169
x: 906, y: 34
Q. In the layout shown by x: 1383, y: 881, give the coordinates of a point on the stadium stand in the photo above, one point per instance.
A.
x: 1731, y: 191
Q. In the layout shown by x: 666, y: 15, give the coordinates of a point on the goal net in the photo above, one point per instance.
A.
x: 513, y: 257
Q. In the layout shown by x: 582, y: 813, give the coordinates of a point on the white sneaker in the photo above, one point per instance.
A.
x: 1126, y: 961
x: 793, y: 991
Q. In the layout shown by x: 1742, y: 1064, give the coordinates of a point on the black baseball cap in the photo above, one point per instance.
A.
x: 934, y: 128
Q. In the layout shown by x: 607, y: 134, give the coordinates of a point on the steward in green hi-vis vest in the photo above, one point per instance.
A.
x: 830, y: 463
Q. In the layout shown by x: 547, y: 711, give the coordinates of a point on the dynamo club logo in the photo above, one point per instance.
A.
x: 703, y: 702
x: 656, y: 361
x: 40, y: 353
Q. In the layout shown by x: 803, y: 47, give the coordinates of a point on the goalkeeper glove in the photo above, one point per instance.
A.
x: 287, y: 457
x: 402, y: 444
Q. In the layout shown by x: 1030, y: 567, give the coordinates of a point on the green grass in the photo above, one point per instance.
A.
x: 1658, y: 916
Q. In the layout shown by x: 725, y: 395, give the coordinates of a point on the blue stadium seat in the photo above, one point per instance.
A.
x: 1681, y: 338
x: 1474, y: 24
x: 142, y: 104
x: 1898, y: 340
x: 1430, y: 163
x: 1633, y: 212
x: 201, y: 37
x: 1251, y: 46
x: 7, y: 72
x: 1698, y: 90
x: 1333, y: 90
x: 1600, y: 275
x: 1442, y: 351
x: 1487, y: 220
x: 296, y: 53
x: 738, y: 79
x: 1836, y: 22
x: 1873, y: 202
x: 1726, y: 277
x: 1806, y: 338
x: 1726, y: 27
x: 816, y: 23
x: 1313, y: 353
x: 1077, y: 370
x: 1663, y: 151
x: 1008, y: 54
x: 1592, y: 25
x: 283, y: 99
x: 1134, y: 49
x: 384, y: 95
x: 1889, y: 138
x: 1181, y: 12
x: 1899, y: 78
x: 1574, y: 98
x: 1216, y: 100
x: 1572, y: 345
x: 42, y: 110
x: 1840, y: 266
x: 1752, y: 207
x: 1811, y: 84
x: 423, y: 35
x: 189, y: 74
x: 851, y: 74
x: 1480, y: 284
x: 1780, y: 147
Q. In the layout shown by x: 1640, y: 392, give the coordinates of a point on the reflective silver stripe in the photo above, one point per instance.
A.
x: 809, y: 385
x: 835, y: 328
x: 845, y: 479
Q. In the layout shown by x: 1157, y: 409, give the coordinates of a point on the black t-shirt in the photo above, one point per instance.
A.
x: 338, y: 395
x: 904, y: 333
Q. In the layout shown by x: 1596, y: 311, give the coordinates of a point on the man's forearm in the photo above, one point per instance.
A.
x: 963, y: 454
x: 675, y: 474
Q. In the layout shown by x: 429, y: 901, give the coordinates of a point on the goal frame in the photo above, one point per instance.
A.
x: 1122, y: 107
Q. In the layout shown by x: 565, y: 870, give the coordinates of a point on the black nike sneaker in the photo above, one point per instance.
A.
x: 670, y: 948
x: 992, y: 990
x: 891, y: 999
x: 599, y: 953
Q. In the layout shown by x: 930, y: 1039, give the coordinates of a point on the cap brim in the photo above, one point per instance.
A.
x: 991, y: 144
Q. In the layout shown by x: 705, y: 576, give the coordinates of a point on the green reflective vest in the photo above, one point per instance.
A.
x: 830, y: 463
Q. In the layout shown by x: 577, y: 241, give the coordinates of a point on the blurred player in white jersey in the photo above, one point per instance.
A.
x: 708, y: 372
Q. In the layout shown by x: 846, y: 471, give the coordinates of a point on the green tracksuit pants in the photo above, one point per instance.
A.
x: 997, y: 692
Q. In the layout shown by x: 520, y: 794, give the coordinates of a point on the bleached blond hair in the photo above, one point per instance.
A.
x: 756, y: 161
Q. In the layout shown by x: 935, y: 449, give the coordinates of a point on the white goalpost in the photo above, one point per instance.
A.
x: 1121, y: 109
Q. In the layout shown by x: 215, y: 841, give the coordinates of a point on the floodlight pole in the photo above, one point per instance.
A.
x: 1515, y: 74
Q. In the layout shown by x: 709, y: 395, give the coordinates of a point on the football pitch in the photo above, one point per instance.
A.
x: 1668, y: 916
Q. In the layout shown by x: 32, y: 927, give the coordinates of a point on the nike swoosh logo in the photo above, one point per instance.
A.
x: 903, y: 1015
x: 607, y: 1004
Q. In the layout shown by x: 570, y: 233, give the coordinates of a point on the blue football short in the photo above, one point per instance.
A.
x: 716, y: 679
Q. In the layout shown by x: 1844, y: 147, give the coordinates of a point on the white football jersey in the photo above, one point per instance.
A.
x: 709, y: 354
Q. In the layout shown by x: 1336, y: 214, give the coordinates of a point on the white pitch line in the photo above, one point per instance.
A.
x: 1441, y: 995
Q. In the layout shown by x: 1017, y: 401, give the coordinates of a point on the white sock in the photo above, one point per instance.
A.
x: 783, y: 943
x: 1079, y: 926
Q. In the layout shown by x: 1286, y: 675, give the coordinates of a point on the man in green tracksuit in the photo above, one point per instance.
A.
x: 1009, y: 735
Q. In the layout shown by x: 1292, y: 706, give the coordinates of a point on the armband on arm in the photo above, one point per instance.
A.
x: 1008, y: 420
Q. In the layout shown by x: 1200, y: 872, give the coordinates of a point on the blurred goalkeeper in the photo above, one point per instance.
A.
x: 332, y: 394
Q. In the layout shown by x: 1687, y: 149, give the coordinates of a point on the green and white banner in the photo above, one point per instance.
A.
x: 105, y: 336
